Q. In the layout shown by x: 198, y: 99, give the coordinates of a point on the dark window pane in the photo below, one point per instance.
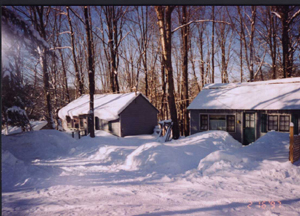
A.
x: 230, y: 123
x: 203, y: 122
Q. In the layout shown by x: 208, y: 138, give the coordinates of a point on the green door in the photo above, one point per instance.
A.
x: 249, y: 128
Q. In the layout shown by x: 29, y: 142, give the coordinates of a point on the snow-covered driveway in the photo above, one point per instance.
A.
x: 49, y: 173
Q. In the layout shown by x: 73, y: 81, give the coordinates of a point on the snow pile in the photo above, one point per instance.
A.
x: 156, y: 157
x: 178, y: 156
x: 13, y: 170
x: 106, y: 106
x: 45, y: 144
x: 266, y: 153
x: 112, y: 154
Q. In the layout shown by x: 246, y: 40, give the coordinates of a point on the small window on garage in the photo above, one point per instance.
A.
x: 231, y: 123
x: 284, y: 123
x: 203, y: 122
x: 273, y: 122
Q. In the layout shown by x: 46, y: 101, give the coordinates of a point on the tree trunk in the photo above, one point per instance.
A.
x: 253, y: 17
x: 213, y: 47
x: 40, y: 27
x: 285, y: 42
x: 91, y: 73
x: 185, y: 95
x: 165, y: 34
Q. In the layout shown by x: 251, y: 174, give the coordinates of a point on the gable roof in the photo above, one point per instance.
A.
x: 106, y: 106
x: 263, y: 95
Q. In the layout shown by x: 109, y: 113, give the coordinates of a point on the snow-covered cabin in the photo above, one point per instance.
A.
x: 119, y: 114
x: 247, y: 110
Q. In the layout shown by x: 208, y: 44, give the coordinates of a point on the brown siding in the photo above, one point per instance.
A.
x: 140, y: 117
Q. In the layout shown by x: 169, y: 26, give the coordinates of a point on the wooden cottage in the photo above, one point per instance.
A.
x: 247, y: 111
x: 119, y: 114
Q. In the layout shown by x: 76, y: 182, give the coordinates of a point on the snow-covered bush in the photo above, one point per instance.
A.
x: 17, y: 117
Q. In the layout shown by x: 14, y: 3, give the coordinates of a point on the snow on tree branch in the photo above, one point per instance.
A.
x: 23, y: 31
x: 199, y: 21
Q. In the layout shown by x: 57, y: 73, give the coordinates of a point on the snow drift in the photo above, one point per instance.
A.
x: 267, y: 157
x: 13, y: 170
x: 44, y: 144
x: 180, y: 155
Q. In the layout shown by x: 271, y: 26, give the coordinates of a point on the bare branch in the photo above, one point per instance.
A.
x: 199, y: 21
x: 57, y: 48
x: 65, y: 32
x: 294, y: 16
x: 276, y: 14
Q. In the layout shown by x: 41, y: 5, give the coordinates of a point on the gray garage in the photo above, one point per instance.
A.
x: 119, y: 114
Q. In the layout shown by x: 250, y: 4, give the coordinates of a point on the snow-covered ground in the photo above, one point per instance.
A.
x: 48, y: 172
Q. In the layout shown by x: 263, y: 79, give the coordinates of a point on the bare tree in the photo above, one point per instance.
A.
x: 91, y: 72
x: 79, y: 85
x: 164, y: 23
x: 287, y: 15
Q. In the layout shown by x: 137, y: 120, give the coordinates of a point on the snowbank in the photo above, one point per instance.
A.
x: 13, y: 170
x: 180, y: 155
x: 156, y: 157
x: 44, y: 144
x: 268, y: 151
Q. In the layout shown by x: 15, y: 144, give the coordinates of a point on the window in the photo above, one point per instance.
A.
x: 284, y: 123
x: 203, y: 122
x: 273, y: 122
x: 230, y: 123
x: 217, y: 122
x: 81, y: 122
x: 97, y: 123
x: 109, y: 127
x: 249, y: 120
x: 263, y: 123
x: 69, y: 121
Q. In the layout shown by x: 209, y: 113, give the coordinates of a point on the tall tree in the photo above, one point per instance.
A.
x: 213, y: 46
x: 164, y: 22
x: 40, y: 20
x: 287, y: 15
x: 79, y: 85
x: 91, y: 72
x: 185, y: 48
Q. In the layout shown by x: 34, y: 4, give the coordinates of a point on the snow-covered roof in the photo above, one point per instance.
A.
x: 106, y: 106
x: 263, y: 95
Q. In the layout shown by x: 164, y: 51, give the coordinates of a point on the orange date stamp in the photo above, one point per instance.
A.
x: 265, y: 204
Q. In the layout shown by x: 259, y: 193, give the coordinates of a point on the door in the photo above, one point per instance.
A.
x: 249, y: 128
